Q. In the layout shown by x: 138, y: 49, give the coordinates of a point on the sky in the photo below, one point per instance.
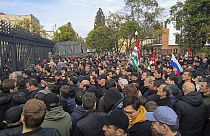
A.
x: 81, y: 13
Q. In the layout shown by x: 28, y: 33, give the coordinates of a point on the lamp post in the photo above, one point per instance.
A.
x: 59, y: 31
x: 136, y: 35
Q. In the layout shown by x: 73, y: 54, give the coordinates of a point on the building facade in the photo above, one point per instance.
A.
x: 15, y: 19
x: 166, y: 43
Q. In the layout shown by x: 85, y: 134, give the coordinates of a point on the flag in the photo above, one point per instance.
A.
x: 188, y: 50
x: 186, y: 55
x: 138, y: 48
x: 154, y: 57
x: 134, y: 57
x: 174, y: 62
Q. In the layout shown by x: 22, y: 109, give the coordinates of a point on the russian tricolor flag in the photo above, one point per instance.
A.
x: 174, y: 62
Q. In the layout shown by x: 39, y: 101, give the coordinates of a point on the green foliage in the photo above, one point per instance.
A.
x: 99, y: 19
x: 193, y: 17
x: 31, y: 26
x: 145, y: 12
x: 100, y: 39
x: 114, y: 22
x: 127, y: 31
x: 129, y: 28
x: 66, y: 33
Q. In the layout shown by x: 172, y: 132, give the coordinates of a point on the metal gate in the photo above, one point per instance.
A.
x: 19, y: 48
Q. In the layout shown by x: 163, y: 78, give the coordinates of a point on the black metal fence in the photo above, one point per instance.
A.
x: 19, y: 48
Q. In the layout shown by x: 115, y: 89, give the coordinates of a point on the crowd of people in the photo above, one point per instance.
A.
x: 103, y: 94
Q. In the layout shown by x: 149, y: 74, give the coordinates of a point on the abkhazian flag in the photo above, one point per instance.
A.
x: 186, y: 55
x: 135, y: 55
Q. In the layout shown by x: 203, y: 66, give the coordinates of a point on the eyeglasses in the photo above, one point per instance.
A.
x: 129, y: 113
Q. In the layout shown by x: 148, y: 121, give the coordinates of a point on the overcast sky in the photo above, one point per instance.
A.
x: 80, y: 13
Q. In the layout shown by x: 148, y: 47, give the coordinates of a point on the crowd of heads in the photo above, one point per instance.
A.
x: 106, y: 91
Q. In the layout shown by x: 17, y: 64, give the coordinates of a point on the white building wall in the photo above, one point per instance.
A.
x: 172, y: 32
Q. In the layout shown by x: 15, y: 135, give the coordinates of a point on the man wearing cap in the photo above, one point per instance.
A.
x: 55, y: 116
x: 165, y: 121
x: 13, y: 126
x: 115, y: 123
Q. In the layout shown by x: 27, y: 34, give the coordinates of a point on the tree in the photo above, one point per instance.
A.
x: 31, y: 26
x: 99, y: 19
x: 127, y: 31
x: 66, y: 33
x: 114, y: 22
x: 193, y: 18
x: 145, y: 12
x: 100, y: 39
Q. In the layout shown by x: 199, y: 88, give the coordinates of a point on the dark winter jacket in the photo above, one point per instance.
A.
x: 71, y: 104
x: 191, y: 112
x: 43, y: 132
x: 148, y: 92
x: 141, y: 129
x: 12, y: 130
x: 164, y: 102
x: 78, y: 113
x: 110, y: 98
x: 5, y: 104
x: 90, y: 125
x: 32, y: 94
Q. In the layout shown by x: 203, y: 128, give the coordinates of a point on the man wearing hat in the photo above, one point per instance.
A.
x: 13, y: 126
x: 115, y: 123
x: 165, y: 121
x: 55, y: 116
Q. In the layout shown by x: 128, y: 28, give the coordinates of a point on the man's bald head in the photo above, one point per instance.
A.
x: 188, y: 87
x: 84, y: 84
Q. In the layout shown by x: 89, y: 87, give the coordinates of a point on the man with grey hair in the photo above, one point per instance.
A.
x: 191, y: 111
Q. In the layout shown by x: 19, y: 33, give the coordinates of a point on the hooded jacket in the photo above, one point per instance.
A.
x: 191, y: 112
x: 108, y: 101
x: 78, y: 113
x: 140, y: 117
x: 59, y: 119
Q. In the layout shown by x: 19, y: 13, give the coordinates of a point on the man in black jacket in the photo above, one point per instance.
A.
x: 115, y: 123
x: 191, y: 111
x: 12, y: 119
x: 90, y: 125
